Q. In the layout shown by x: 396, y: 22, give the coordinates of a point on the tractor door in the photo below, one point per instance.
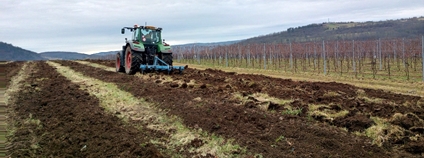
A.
x: 137, y: 35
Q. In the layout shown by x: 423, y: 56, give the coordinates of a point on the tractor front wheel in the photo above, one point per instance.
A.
x: 119, y: 67
x: 132, y: 61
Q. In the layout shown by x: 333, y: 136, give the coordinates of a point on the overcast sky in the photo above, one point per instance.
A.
x: 91, y: 26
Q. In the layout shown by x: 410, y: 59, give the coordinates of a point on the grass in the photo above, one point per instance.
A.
x: 383, y: 130
x: 296, y: 111
x: 15, y: 85
x: 373, y: 100
x: 263, y: 99
x: 362, y: 95
x: 5, y: 62
x: 280, y: 138
x: 96, y: 65
x: 327, y: 113
x: 32, y: 121
x: 331, y: 94
x: 137, y: 109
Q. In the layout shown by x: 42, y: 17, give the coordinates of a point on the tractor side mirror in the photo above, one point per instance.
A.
x: 122, y: 31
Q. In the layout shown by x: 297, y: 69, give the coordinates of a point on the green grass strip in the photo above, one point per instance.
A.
x: 97, y: 65
x: 8, y: 121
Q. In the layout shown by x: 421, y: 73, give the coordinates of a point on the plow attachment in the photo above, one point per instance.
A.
x: 160, y: 65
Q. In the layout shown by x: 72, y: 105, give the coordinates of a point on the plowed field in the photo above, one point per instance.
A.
x: 264, y: 116
x: 54, y: 118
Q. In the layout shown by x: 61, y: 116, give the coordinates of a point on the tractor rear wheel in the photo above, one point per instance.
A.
x: 167, y: 58
x: 119, y: 67
x: 132, y: 61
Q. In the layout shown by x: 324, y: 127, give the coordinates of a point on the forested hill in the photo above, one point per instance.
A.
x: 9, y: 52
x: 402, y: 28
x: 62, y: 55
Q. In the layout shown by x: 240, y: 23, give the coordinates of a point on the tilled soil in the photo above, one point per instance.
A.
x: 55, y: 118
x: 404, y: 111
x: 347, y: 96
x: 210, y: 105
x: 10, y: 70
x: 338, y: 96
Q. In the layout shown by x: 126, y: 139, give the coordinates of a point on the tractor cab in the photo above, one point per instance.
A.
x: 145, y: 34
x: 148, y: 35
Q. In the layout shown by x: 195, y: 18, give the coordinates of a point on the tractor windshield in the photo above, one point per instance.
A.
x: 150, y: 36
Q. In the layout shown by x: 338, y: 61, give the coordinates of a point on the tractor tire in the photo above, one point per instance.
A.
x: 167, y: 58
x: 119, y: 67
x: 132, y: 61
x: 143, y: 59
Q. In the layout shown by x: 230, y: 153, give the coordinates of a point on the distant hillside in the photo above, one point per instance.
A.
x: 402, y: 28
x: 207, y: 44
x: 106, y: 53
x: 9, y: 52
x: 59, y: 55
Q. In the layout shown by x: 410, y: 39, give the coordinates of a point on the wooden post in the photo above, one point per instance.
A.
x: 379, y: 53
x: 226, y: 57
x: 422, y: 54
x: 264, y: 57
x: 403, y: 52
x: 291, y: 57
x: 325, y: 61
x: 353, y: 57
x: 315, y: 57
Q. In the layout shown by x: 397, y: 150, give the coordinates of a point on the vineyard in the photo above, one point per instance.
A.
x: 395, y: 59
x: 86, y: 109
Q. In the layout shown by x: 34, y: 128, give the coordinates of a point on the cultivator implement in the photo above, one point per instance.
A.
x: 160, y: 65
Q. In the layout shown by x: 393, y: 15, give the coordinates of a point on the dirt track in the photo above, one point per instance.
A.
x: 207, y: 99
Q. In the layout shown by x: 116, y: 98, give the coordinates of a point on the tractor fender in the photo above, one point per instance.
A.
x: 166, y: 51
x: 135, y: 47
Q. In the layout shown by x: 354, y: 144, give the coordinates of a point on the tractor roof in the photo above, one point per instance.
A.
x: 146, y: 27
x: 150, y: 27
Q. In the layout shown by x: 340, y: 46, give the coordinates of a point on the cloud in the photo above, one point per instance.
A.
x: 93, y: 26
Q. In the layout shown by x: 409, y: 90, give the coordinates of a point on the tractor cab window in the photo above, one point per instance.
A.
x: 150, y: 36
x: 137, y: 35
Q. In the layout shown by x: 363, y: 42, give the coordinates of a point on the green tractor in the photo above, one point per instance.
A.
x: 145, y: 52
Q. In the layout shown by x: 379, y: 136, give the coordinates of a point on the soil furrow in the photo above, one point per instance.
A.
x: 14, y: 73
x: 271, y: 135
x: 54, y: 118
x: 10, y: 69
